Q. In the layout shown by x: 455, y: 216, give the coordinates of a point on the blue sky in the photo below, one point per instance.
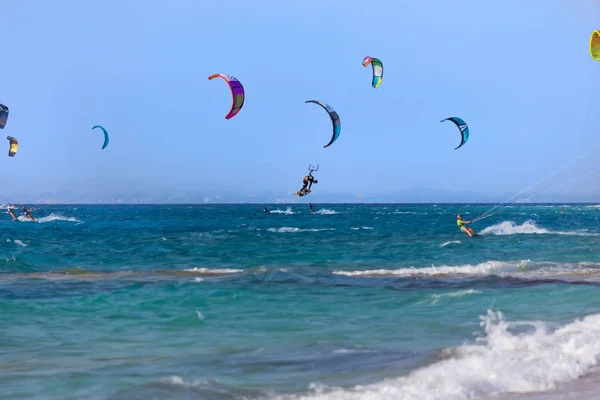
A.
x: 519, y: 72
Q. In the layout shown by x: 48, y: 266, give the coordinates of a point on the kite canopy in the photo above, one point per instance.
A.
x: 595, y: 45
x: 13, y: 147
x: 335, y: 119
x: 463, y: 127
x: 377, y: 70
x: 3, y: 115
x: 105, y: 136
x: 237, y: 91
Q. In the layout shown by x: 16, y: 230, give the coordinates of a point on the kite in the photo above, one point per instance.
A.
x: 377, y: 70
x: 335, y: 119
x: 595, y: 45
x: 237, y: 91
x: 105, y: 136
x: 14, y: 146
x: 464, y: 129
x: 3, y: 115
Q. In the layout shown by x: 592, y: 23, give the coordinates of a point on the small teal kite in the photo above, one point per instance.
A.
x: 105, y: 136
x: 463, y: 127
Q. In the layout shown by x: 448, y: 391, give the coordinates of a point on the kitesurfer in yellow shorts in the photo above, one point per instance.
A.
x: 462, y: 225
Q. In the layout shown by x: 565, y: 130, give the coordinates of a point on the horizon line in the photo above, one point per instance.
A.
x: 331, y: 203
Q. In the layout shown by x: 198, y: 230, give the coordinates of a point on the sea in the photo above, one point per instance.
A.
x: 353, y: 301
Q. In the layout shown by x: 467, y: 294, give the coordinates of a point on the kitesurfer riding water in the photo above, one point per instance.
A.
x: 310, y: 206
x: 12, y: 214
x: 307, y: 182
x: 462, y: 225
x: 27, y: 213
x: 267, y: 210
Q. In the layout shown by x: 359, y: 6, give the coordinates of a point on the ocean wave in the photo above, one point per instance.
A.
x: 288, y: 229
x: 214, y: 271
x: 450, y: 242
x: 17, y: 242
x: 436, y: 297
x: 326, y: 211
x: 482, y: 269
x: 287, y: 211
x: 510, y: 357
x: 49, y: 218
x: 528, y: 227
x: 78, y: 273
x: 525, y: 269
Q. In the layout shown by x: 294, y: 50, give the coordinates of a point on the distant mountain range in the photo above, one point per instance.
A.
x: 222, y: 195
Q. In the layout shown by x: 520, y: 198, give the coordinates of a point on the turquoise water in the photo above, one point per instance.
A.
x: 354, y: 301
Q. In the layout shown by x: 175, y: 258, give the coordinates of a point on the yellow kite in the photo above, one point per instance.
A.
x: 595, y: 45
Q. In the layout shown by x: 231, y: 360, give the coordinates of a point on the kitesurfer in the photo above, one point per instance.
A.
x: 27, y: 213
x: 310, y: 206
x: 267, y: 210
x: 462, y: 225
x: 12, y: 214
x: 307, y: 182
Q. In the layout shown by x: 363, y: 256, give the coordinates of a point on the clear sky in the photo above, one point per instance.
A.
x: 517, y: 71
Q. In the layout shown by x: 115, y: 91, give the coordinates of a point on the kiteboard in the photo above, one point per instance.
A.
x: 301, y: 193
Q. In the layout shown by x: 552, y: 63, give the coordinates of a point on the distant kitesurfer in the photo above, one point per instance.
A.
x: 27, y: 213
x: 462, y: 225
x: 12, y: 214
x: 267, y: 210
x: 310, y: 206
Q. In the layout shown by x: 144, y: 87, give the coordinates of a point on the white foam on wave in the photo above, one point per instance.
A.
x: 214, y: 271
x: 289, y: 229
x: 352, y: 351
x: 50, y: 218
x: 16, y: 241
x: 176, y: 380
x: 436, y: 297
x: 450, y: 242
x: 528, y: 227
x: 524, y: 269
x: 287, y: 211
x: 481, y: 269
x: 531, y: 358
x: 325, y: 211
